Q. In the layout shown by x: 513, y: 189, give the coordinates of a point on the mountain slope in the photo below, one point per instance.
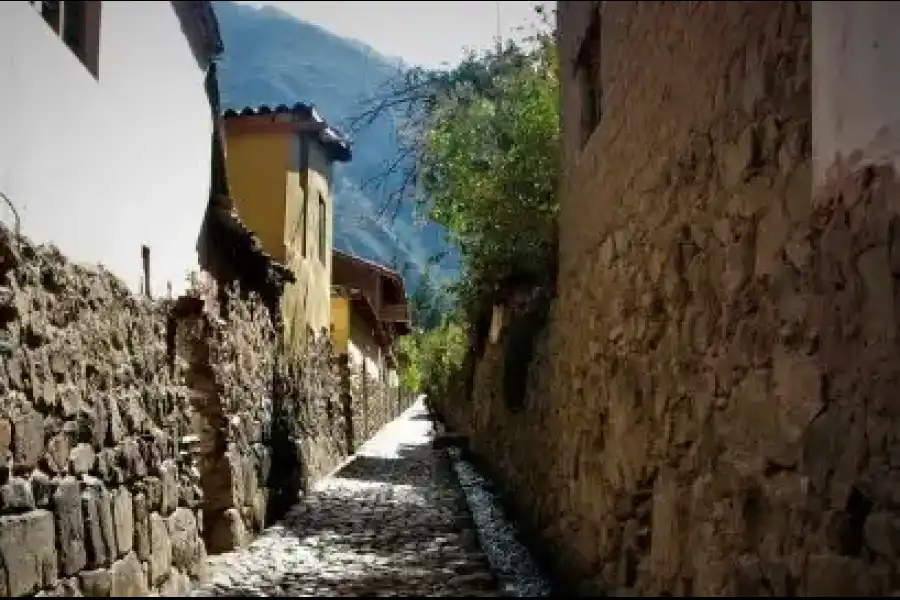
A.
x: 272, y: 57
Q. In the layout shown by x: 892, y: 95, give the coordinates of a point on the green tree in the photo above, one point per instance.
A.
x: 481, y: 156
x: 430, y: 360
x: 489, y: 169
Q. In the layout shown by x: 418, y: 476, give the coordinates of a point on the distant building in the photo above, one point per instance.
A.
x: 369, y: 310
x: 105, y: 129
x: 279, y: 163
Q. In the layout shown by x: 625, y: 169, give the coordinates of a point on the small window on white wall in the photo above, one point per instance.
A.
x: 77, y: 23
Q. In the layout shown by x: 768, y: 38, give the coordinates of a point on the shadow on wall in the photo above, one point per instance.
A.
x: 289, y: 475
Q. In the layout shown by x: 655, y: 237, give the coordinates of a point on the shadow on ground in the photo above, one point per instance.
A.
x: 395, y: 525
x: 423, y: 416
x: 406, y: 468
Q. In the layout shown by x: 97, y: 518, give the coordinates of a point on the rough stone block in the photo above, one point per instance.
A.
x: 160, y: 549
x: 69, y: 526
x: 259, y: 509
x: 226, y: 531
x: 98, y: 554
x: 128, y: 578
x: 64, y: 588
x: 184, y: 536
x: 882, y: 534
x: 41, y: 488
x: 16, y: 496
x: 123, y: 520
x: 27, y: 553
x: 56, y: 458
x: 107, y: 524
x: 5, y: 440
x: 168, y: 473
x: 154, y: 491
x: 176, y: 585
x: 236, y: 467
x: 141, y: 526
x: 250, y: 480
x: 832, y: 575
x: 28, y: 439
x: 263, y: 461
x: 96, y: 583
x: 81, y: 459
x: 131, y: 460
x: 117, y: 429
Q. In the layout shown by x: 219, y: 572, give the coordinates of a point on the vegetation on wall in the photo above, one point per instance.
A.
x: 430, y: 359
x: 480, y: 158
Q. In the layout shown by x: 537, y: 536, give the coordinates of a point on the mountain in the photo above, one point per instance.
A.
x: 272, y: 58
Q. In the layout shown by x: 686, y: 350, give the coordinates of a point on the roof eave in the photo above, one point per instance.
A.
x: 201, y: 28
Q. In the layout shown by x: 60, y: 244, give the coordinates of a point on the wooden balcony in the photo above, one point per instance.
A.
x: 394, y: 313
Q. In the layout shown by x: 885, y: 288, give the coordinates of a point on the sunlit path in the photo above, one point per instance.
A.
x: 391, y: 522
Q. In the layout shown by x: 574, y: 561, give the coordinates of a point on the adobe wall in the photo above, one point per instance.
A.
x: 713, y: 411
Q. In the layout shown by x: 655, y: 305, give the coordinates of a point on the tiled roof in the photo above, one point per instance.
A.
x: 328, y: 135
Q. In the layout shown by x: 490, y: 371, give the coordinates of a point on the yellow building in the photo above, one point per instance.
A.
x: 280, y: 163
x: 369, y: 311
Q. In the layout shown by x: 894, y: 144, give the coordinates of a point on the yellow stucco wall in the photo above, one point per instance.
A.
x: 307, y: 303
x: 362, y: 348
x: 353, y: 335
x: 257, y: 163
x: 340, y: 323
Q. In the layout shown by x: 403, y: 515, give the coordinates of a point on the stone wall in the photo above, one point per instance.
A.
x: 713, y: 412
x: 227, y: 376
x: 94, y: 497
x: 311, y: 427
x: 369, y: 402
x: 136, y: 436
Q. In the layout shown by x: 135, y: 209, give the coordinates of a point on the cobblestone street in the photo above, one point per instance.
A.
x: 390, y: 522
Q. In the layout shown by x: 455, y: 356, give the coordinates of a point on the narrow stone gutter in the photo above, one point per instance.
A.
x: 513, y: 565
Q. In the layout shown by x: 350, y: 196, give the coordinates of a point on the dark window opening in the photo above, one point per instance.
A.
x: 588, y: 76
x: 303, y: 171
x: 77, y: 23
x: 323, y: 236
x: 304, y: 224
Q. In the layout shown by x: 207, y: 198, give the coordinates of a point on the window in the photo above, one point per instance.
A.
x: 77, y: 23
x: 304, y: 224
x: 587, y: 74
x: 323, y: 232
x: 302, y: 170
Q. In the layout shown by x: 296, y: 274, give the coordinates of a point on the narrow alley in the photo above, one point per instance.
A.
x: 391, y: 521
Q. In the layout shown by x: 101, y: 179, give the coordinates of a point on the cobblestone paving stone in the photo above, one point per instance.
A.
x: 391, y: 522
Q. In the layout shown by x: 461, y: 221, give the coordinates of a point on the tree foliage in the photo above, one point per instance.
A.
x: 430, y: 359
x: 480, y: 156
x: 489, y: 170
x: 417, y: 100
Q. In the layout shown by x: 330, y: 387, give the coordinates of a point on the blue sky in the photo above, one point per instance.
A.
x: 421, y: 33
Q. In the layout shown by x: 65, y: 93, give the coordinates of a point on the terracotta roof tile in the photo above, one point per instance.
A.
x: 328, y: 135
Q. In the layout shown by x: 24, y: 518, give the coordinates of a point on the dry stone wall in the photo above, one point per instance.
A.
x: 369, y: 402
x: 714, y: 410
x: 94, y: 500
x: 310, y: 440
x: 137, y: 436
